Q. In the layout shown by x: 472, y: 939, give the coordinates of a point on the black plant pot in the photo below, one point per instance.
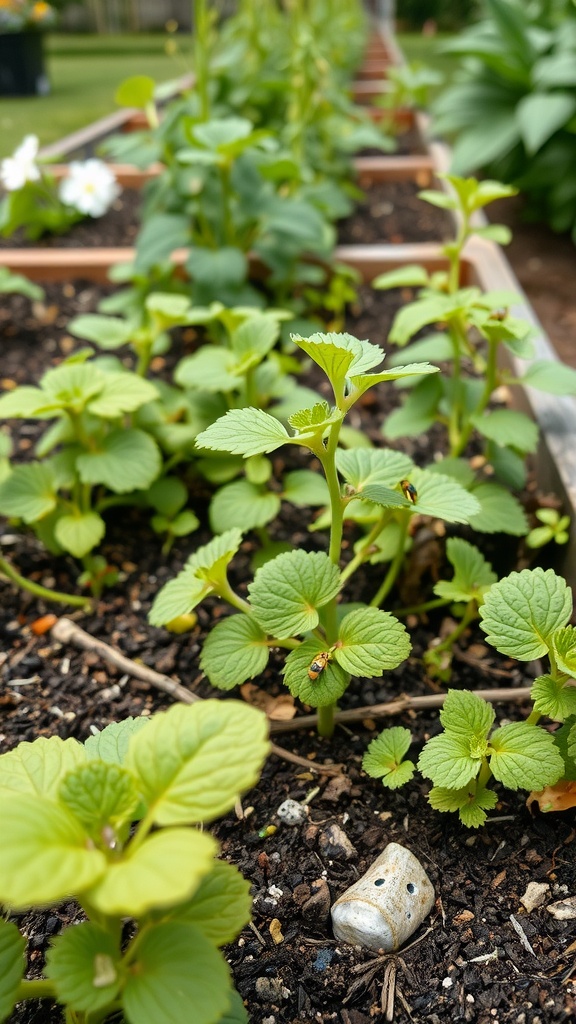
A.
x: 22, y: 69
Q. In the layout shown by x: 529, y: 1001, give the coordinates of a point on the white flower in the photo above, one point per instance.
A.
x: 21, y: 167
x: 90, y: 187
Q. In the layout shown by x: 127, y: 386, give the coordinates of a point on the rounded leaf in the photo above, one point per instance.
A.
x: 371, y: 641
x: 329, y: 684
x: 235, y: 650
x: 85, y: 967
x: 521, y: 612
x: 288, y: 591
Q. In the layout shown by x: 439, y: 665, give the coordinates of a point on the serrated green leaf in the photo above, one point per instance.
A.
x: 554, y: 377
x: 472, y: 573
x: 236, y: 1012
x: 369, y: 380
x: 99, y: 794
x: 235, y: 650
x: 446, y: 759
x: 80, y: 533
x: 471, y: 803
x: 442, y: 497
x: 363, y: 466
x: 250, y: 504
x: 127, y: 460
x: 50, y: 842
x: 340, y: 355
x: 212, y: 368
x: 28, y: 492
x: 12, y: 966
x: 244, y: 432
x: 108, y: 332
x: 316, y: 416
x: 383, y: 758
x: 84, y: 964
x: 412, y: 276
x: 122, y: 393
x: 193, y: 761
x: 370, y: 641
x: 326, y: 689
x: 525, y: 757
x: 178, y: 597
x: 72, y: 385
x: 384, y: 496
x: 221, y: 905
x: 500, y: 511
x: 564, y: 648
x: 111, y: 744
x: 565, y: 741
x: 162, y: 871
x: 287, y: 592
x: 509, y: 428
x: 553, y: 697
x: 176, y: 968
x: 466, y: 715
x: 220, y: 549
x: 304, y: 488
x: 21, y: 403
x: 39, y: 767
x: 521, y: 612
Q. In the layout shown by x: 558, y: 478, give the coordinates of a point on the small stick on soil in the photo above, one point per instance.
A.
x: 388, y: 991
x: 67, y: 632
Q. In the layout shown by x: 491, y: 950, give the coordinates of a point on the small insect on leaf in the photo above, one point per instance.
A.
x: 409, y: 491
x: 319, y: 664
x: 499, y: 314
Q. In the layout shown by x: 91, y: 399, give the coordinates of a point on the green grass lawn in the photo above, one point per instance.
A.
x: 84, y: 72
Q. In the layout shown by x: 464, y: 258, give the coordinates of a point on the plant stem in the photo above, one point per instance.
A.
x: 224, y: 590
x: 39, y: 591
x: 201, y: 65
x: 426, y: 606
x: 394, y: 568
x: 326, y: 720
x: 37, y: 988
x: 364, y: 552
x: 470, y: 614
x: 328, y: 460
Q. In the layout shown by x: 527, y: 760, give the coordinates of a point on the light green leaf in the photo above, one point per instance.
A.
x: 236, y: 1012
x: 136, y: 91
x: 363, y: 466
x: 244, y: 432
x: 466, y: 715
x: 99, y: 794
x: 258, y: 469
x: 212, y: 368
x: 545, y: 375
x: 525, y: 757
x: 521, y: 612
x: 564, y: 647
x: 127, y: 460
x: 508, y: 428
x: 176, y: 968
x: 471, y: 803
x: 84, y: 964
x: 472, y: 573
x: 539, y: 115
x: 383, y: 759
x: 28, y: 492
x: 220, y: 550
x: 111, y: 744
x: 50, y: 842
x: 235, y: 650
x: 553, y: 697
x: 80, y: 533
x: 21, y: 403
x: 412, y: 276
x: 242, y: 502
x: 221, y: 905
x: 193, y: 761
x: 442, y: 497
x: 384, y: 496
x: 12, y: 966
x: 304, y: 488
x: 340, y: 355
x: 72, y: 385
x: 162, y: 872
x: 108, y: 332
x: 121, y: 393
x: 178, y: 597
x: 304, y: 419
x: 329, y: 685
x: 446, y: 759
x: 369, y: 380
x: 287, y: 592
x: 372, y: 641
x: 500, y: 511
x: 39, y: 767
x: 167, y: 495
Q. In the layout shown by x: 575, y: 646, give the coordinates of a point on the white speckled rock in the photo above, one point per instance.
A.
x: 385, y: 905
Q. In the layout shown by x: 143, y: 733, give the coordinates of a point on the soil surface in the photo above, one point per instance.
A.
x: 392, y: 212
x: 119, y: 226
x: 479, y: 957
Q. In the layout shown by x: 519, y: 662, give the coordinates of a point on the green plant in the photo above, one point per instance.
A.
x: 460, y: 401
x: 409, y: 88
x: 511, y: 108
x: 10, y: 282
x: 67, y: 810
x: 555, y: 527
x: 295, y: 595
x: 525, y: 616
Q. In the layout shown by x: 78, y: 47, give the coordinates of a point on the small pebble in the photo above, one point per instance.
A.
x: 535, y: 895
x: 292, y: 813
x: 269, y: 990
x: 335, y: 844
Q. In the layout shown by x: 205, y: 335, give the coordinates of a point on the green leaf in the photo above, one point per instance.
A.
x: 39, y: 767
x: 304, y: 488
x: 258, y: 469
x: 121, y: 393
x: 80, y: 533
x: 165, y: 869
x: 545, y: 375
x: 383, y: 496
x: 21, y: 403
x: 287, y: 592
x: 446, y: 759
x: 319, y: 415
x: 193, y: 761
x: 160, y: 235
x: 363, y: 466
x: 84, y: 964
x: 500, y: 511
x: 127, y: 460
x: 372, y: 641
x: 221, y: 905
x: 111, y: 744
x: 553, y: 697
x: 235, y: 650
x: 217, y: 268
x: 329, y: 685
x: 340, y: 355
x: 471, y: 803
x: 236, y: 1012
x: 442, y: 497
x: 244, y: 432
x: 252, y: 505
x: 136, y: 91
x: 539, y: 115
x: 472, y: 573
x: 466, y: 715
x: 50, y: 842
x: 12, y: 966
x: 99, y: 794
x: 564, y: 647
x: 167, y: 495
x: 412, y: 276
x: 525, y: 757
x: 218, y: 552
x: 28, y: 492
x: 178, y: 597
x: 508, y: 428
x: 176, y: 968
x: 383, y: 759
x: 108, y: 332
x: 521, y: 612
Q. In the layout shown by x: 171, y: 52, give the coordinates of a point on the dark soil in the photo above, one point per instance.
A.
x: 392, y: 212
x: 118, y: 227
x: 468, y: 962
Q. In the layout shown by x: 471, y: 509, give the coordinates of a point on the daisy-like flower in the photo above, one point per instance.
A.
x: 21, y: 167
x: 90, y: 187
